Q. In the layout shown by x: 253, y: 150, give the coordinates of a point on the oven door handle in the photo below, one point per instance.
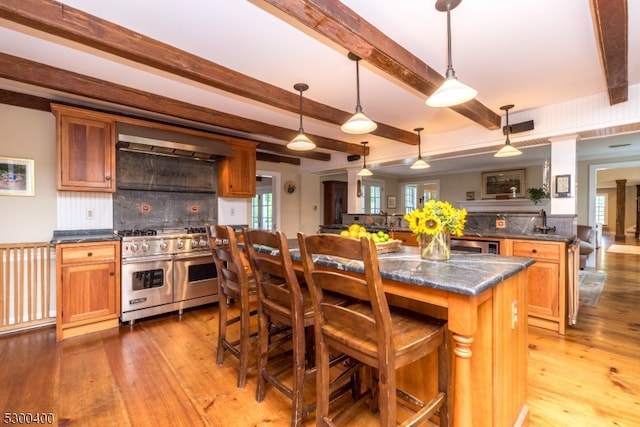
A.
x: 150, y: 258
x: 193, y: 255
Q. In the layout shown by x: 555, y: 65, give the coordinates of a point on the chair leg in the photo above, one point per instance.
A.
x: 263, y: 355
x: 245, y: 344
x: 387, y: 398
x: 322, y: 380
x: 222, y: 327
x: 299, y: 369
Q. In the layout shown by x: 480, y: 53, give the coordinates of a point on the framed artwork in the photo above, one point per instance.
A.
x: 391, y: 202
x: 471, y: 195
x: 503, y: 184
x: 563, y: 186
x: 16, y: 177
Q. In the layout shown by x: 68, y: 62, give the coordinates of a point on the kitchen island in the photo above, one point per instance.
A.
x: 484, y: 299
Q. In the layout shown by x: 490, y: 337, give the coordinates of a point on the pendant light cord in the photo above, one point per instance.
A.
x: 358, y: 106
x: 301, y: 130
x: 450, y: 72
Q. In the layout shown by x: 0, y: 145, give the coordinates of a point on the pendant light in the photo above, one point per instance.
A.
x: 301, y: 142
x: 419, y: 164
x: 358, y: 123
x: 507, y: 150
x: 452, y: 91
x: 364, y: 171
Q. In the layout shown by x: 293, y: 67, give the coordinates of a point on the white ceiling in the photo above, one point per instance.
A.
x: 530, y: 53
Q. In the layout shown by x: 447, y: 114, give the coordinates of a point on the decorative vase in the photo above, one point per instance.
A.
x: 435, y: 247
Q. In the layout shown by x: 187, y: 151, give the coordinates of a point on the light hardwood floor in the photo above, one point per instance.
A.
x: 163, y: 372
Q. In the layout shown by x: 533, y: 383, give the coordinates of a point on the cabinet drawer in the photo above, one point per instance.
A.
x: 539, y: 250
x: 90, y: 253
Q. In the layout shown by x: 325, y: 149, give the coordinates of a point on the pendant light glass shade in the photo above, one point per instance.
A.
x: 301, y: 142
x: 364, y: 171
x: 358, y: 123
x: 419, y: 164
x: 452, y: 91
x: 507, y: 150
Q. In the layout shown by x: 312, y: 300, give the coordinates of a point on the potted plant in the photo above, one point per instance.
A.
x: 537, y: 194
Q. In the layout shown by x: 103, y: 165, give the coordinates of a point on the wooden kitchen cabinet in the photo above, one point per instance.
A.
x: 547, y: 284
x: 87, y: 288
x: 335, y: 201
x: 86, y: 150
x: 237, y: 174
x: 406, y: 237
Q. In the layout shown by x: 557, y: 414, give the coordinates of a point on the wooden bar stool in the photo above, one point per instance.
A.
x: 286, y: 360
x: 384, y: 339
x: 235, y: 285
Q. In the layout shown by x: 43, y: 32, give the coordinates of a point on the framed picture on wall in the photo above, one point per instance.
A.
x: 503, y: 184
x: 391, y: 202
x: 16, y: 177
x: 563, y: 186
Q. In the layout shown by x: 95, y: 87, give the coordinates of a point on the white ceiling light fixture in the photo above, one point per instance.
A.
x: 507, y: 150
x: 301, y: 142
x: 358, y: 123
x: 419, y: 164
x: 364, y: 171
x: 452, y: 91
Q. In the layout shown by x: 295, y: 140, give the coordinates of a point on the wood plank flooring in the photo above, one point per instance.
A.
x: 162, y: 371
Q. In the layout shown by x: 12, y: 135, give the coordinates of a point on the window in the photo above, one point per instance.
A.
x: 601, y: 209
x: 371, y: 200
x: 262, y: 205
x: 415, y: 194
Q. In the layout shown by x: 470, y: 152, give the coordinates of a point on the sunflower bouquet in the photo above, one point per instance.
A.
x: 434, y: 223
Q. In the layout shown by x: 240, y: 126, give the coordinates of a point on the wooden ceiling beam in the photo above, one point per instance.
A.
x: 274, y: 158
x: 335, y: 21
x: 73, y: 24
x: 611, y: 22
x: 41, y: 75
x: 24, y: 100
x: 282, y: 149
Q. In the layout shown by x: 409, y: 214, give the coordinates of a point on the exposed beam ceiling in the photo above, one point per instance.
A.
x: 33, y: 73
x: 341, y: 25
x: 73, y: 24
x: 611, y: 22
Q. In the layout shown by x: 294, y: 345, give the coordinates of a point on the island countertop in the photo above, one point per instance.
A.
x: 465, y: 273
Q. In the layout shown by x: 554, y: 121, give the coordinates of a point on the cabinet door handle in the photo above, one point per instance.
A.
x: 107, y: 178
x: 89, y: 253
x: 535, y: 251
x: 112, y: 273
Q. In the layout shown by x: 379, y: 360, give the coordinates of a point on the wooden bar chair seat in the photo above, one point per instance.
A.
x: 368, y: 330
x: 237, y: 286
x: 286, y: 361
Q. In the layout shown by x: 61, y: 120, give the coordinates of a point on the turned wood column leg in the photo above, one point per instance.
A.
x: 462, y: 408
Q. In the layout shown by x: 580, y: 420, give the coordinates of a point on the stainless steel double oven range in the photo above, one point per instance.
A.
x: 165, y: 270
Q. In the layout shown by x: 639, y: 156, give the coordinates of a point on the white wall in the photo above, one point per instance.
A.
x: 29, y: 134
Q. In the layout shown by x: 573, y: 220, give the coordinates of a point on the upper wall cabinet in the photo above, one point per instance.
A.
x: 86, y: 144
x: 237, y: 174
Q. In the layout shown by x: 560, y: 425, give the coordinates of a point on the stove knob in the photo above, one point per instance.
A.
x: 145, y: 246
x: 163, y: 245
x: 133, y: 247
x: 203, y: 242
x: 179, y: 244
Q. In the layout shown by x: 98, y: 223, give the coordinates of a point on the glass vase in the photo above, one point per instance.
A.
x: 436, y: 247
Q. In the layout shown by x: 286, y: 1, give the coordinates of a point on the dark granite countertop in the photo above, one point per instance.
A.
x: 464, y: 273
x: 81, y: 236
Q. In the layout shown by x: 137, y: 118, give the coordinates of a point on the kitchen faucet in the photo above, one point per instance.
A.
x: 545, y: 228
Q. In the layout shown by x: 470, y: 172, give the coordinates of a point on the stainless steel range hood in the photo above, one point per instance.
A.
x: 168, y: 143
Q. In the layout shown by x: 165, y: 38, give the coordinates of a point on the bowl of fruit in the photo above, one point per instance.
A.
x: 384, y: 243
